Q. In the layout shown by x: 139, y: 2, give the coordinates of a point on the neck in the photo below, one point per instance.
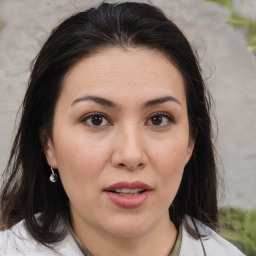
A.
x: 159, y: 240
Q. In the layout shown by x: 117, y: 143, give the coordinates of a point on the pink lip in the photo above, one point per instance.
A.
x: 128, y: 201
x: 130, y: 185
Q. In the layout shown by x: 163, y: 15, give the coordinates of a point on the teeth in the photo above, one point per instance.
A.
x: 128, y: 190
x: 129, y: 194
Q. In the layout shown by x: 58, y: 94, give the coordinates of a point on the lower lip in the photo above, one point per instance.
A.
x: 128, y: 201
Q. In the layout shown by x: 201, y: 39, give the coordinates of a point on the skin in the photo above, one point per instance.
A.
x: 128, y: 145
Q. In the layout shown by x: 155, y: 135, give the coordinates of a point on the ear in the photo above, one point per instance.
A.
x: 49, y: 152
x: 190, y: 148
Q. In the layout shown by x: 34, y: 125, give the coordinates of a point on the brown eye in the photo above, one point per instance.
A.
x: 96, y: 120
x: 156, y: 120
x: 160, y: 119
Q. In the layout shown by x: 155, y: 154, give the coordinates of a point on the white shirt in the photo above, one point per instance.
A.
x: 17, y: 241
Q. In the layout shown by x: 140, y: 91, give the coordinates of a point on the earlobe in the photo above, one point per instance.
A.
x: 49, y: 152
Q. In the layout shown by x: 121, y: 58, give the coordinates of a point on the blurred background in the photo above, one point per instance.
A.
x: 223, y: 32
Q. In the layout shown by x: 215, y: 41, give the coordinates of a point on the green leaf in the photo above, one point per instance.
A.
x: 252, y: 48
x: 239, y: 227
x: 225, y: 3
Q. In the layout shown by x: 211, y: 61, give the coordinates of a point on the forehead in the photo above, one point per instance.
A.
x: 115, y: 71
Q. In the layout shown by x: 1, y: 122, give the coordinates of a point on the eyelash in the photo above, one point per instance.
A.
x: 91, y: 115
x: 85, y: 119
x: 169, y: 118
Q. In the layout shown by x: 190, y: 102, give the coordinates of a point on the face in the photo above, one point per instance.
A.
x: 121, y: 140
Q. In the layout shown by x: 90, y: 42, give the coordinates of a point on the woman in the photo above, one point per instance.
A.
x: 113, y: 155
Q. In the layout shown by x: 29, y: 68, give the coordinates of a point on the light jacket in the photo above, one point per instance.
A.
x: 17, y: 241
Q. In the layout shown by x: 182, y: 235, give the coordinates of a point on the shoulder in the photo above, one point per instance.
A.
x: 17, y: 241
x: 213, y: 243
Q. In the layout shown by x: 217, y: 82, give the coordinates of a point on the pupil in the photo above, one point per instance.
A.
x: 157, y: 120
x: 97, y: 120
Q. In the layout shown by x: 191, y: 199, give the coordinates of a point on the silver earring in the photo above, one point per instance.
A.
x: 53, y: 178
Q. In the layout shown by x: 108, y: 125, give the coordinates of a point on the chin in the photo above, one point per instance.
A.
x: 128, y: 228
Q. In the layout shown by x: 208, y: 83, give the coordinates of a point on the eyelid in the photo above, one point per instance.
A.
x: 163, y: 114
x: 89, y: 115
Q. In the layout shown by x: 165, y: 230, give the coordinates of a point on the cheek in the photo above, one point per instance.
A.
x: 169, y: 164
x: 170, y: 157
x: 81, y: 161
x: 80, y: 167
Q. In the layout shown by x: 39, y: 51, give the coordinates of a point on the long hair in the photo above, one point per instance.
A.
x: 27, y: 190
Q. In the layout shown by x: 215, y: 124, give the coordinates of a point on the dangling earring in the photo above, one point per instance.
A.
x: 53, y: 178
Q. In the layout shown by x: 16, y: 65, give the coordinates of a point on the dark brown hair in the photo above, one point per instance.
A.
x: 27, y: 189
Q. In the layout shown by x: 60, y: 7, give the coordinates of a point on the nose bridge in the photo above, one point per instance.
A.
x: 130, y: 148
x: 133, y: 136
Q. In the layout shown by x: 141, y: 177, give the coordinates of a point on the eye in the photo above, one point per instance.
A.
x: 160, y: 119
x: 95, y: 120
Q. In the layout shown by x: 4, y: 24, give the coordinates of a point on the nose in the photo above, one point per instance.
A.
x: 129, y: 149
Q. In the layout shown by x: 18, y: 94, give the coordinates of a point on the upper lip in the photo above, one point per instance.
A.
x: 130, y: 185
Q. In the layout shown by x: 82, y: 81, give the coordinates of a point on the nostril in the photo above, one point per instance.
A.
x: 131, y: 167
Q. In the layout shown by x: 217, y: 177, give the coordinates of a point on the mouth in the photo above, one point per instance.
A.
x: 128, y: 191
x: 128, y: 194
x: 124, y: 188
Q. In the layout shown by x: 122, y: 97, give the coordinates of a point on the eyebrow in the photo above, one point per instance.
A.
x: 99, y: 100
x: 108, y: 103
x: 161, y: 101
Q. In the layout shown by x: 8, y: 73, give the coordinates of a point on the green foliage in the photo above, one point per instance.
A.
x: 226, y: 3
x: 238, y: 21
x: 239, y: 227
